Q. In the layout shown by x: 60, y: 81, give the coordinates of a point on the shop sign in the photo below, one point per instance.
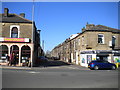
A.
x: 104, y: 51
x: 87, y: 52
x: 116, y: 59
x: 14, y: 39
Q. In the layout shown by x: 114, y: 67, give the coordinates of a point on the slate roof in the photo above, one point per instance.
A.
x: 102, y: 28
x: 13, y: 18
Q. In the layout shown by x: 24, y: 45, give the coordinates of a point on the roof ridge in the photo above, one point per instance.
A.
x: 107, y: 27
x: 23, y: 18
x: 12, y: 17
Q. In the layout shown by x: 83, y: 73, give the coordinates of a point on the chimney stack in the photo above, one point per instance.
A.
x: 38, y: 31
x: 6, y: 12
x: 22, y: 15
x: 89, y: 26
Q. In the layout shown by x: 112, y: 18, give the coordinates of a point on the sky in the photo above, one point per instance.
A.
x: 58, y: 20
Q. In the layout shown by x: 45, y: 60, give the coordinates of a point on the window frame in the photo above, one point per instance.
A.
x: 83, y: 40
x: 18, y: 27
x: 113, y: 42
x: 103, y: 39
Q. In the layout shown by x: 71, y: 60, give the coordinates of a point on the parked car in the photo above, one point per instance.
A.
x: 101, y: 65
x: 41, y: 60
x: 55, y: 58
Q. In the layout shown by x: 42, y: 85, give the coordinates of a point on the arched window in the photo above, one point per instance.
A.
x: 14, y: 32
x: 25, y: 53
x: 3, y: 52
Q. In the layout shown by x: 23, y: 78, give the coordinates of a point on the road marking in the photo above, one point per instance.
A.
x: 55, y: 67
x: 33, y: 72
x: 15, y: 68
x: 73, y: 67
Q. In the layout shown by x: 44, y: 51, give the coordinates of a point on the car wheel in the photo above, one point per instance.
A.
x: 113, y: 67
x: 96, y: 68
x: 91, y: 68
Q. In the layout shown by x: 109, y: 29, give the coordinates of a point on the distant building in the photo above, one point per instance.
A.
x: 17, y: 36
x: 73, y: 36
x: 93, y: 43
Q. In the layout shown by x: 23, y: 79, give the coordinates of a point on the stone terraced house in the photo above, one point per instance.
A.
x: 20, y: 36
x: 93, y: 43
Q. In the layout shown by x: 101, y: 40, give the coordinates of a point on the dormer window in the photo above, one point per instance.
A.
x: 14, y: 31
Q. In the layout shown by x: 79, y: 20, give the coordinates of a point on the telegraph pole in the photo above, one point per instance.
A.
x: 32, y: 33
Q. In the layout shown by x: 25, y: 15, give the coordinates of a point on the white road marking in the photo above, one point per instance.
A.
x: 33, y: 72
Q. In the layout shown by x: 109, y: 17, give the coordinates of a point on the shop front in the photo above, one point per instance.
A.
x: 86, y: 58
x: 111, y: 56
x: 23, y: 51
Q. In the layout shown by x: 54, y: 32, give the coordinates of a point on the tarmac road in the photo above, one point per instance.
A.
x: 69, y: 76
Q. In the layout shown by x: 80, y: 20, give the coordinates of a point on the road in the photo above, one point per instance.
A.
x: 65, y: 76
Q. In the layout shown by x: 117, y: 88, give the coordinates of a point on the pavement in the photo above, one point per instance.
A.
x: 13, y: 67
x: 51, y: 65
x: 73, y: 67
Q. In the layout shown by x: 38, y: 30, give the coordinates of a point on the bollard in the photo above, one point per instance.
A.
x: 116, y: 65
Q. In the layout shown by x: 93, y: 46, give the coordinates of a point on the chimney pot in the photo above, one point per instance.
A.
x: 22, y: 15
x: 6, y: 12
x: 38, y: 31
x: 89, y: 26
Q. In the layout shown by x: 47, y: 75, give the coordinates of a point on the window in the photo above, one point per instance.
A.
x: 14, y: 32
x: 82, y: 40
x: 113, y: 40
x: 100, y: 38
x: 74, y: 45
x: 89, y: 58
x: 79, y: 41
